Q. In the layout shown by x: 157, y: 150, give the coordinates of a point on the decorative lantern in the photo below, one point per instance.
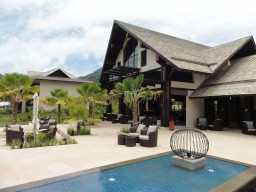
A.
x: 189, y: 144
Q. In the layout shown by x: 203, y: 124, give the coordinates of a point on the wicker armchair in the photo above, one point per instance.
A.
x: 149, y: 140
x: 14, y: 132
x: 123, y: 119
x: 217, y: 125
x: 248, y: 128
x: 147, y: 121
x: 202, y: 123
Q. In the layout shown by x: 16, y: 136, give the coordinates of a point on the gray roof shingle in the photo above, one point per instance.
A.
x: 237, y: 79
x: 185, y: 55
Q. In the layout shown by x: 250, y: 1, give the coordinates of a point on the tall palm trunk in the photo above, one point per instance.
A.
x: 15, y: 112
x: 59, y: 112
x: 135, y: 114
x: 90, y: 115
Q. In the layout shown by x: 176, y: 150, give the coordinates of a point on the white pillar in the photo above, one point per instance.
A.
x: 194, y: 109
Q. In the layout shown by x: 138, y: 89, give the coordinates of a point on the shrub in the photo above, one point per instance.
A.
x: 71, y: 131
x: 125, y: 130
x: 16, y: 144
x: 29, y: 137
x: 84, y: 131
x: 73, y: 141
x: 41, y: 136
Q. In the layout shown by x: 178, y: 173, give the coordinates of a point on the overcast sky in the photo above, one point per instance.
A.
x: 73, y: 34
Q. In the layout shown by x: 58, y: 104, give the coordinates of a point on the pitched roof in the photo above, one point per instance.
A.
x: 48, y: 76
x: 237, y: 79
x: 183, y: 54
x: 48, y: 73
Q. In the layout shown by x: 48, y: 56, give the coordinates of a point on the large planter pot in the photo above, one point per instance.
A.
x: 171, y: 125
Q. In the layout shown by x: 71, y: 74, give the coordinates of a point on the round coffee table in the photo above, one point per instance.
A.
x: 130, y: 141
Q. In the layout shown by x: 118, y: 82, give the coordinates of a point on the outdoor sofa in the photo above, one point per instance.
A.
x: 14, y: 132
x: 202, y: 123
x: 150, y: 139
x: 217, y: 125
x: 248, y: 128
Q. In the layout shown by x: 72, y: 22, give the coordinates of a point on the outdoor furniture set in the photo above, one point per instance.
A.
x: 120, y: 118
x: 203, y: 124
x: 248, y: 127
x: 147, y: 137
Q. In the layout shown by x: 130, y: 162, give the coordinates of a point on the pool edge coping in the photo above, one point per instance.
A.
x: 226, y: 185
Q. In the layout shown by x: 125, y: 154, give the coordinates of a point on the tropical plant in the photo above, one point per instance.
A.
x: 125, y: 130
x: 58, y: 97
x: 91, y: 93
x: 78, y: 113
x: 15, y: 88
x: 131, y: 89
x: 148, y: 95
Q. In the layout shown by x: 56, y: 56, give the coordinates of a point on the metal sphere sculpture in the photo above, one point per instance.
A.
x: 189, y: 144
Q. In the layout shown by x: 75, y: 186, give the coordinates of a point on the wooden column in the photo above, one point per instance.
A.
x: 109, y: 106
x: 166, y: 96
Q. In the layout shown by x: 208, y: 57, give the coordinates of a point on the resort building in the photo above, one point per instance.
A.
x: 55, y: 79
x: 197, y: 80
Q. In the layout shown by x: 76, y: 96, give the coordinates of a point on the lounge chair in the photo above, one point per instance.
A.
x: 202, y: 123
x: 137, y: 131
x: 149, y: 140
x: 217, y: 125
x: 14, y: 132
x: 123, y: 119
x: 147, y: 121
x: 248, y: 128
x: 48, y: 124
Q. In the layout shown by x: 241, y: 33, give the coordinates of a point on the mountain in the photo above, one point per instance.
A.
x: 95, y: 76
x: 1, y: 75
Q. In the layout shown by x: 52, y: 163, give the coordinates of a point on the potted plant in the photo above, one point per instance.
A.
x: 171, y: 124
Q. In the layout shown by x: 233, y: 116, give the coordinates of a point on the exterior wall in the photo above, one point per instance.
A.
x: 197, y: 80
x: 194, y: 109
x: 151, y: 61
x: 46, y: 86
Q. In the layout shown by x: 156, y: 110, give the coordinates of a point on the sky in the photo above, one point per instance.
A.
x: 39, y: 35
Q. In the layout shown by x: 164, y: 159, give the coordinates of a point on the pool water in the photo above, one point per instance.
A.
x: 156, y: 174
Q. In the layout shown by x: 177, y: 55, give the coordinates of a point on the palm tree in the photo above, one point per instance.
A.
x: 58, y: 97
x: 91, y: 93
x: 130, y: 88
x: 148, y: 95
x: 78, y: 113
x: 15, y: 88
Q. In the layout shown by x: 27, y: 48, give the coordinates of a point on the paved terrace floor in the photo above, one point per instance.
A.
x: 26, y: 165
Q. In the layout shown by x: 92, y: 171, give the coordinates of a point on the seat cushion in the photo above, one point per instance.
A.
x: 202, y: 121
x: 15, y: 127
x: 140, y: 127
x: 249, y: 124
x: 144, y: 137
x: 133, y: 134
x: 151, y: 129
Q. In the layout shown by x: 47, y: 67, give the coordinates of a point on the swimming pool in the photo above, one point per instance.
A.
x: 155, y: 174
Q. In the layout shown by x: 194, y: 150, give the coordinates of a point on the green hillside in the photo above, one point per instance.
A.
x: 95, y: 76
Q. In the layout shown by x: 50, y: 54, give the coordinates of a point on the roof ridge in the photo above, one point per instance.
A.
x: 121, y: 22
x: 247, y: 37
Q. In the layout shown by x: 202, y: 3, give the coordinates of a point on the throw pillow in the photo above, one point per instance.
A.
x: 151, y: 129
x: 140, y: 127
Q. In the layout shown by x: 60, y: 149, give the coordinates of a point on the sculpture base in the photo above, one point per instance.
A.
x: 190, y: 165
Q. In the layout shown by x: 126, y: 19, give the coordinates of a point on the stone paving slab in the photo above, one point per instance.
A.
x: 99, y: 149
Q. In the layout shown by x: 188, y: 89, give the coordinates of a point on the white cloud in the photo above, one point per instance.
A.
x: 41, y: 34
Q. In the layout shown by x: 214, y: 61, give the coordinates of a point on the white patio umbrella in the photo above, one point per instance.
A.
x: 35, y: 112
